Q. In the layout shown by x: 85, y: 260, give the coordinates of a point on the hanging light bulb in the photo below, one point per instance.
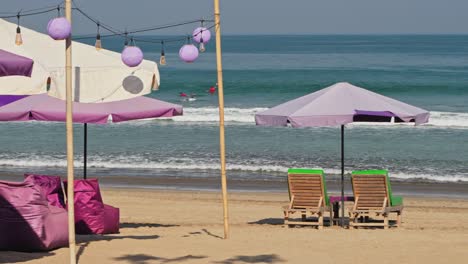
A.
x: 202, y: 36
x: 201, y: 47
x: 19, y: 38
x: 162, y: 60
x: 98, y: 43
x: 126, y: 39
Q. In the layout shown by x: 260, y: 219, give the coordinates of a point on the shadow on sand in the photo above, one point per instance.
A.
x: 17, y: 257
x: 147, y: 259
x: 268, y: 258
x: 268, y: 221
x: 84, y: 240
x: 203, y: 231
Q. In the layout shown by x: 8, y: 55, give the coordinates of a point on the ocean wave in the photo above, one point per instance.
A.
x: 138, y: 163
x: 247, y: 116
x: 211, y: 115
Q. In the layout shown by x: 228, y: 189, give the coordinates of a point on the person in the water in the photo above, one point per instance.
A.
x: 182, y: 94
x: 212, y: 90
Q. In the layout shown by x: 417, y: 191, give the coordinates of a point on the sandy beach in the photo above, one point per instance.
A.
x: 160, y: 226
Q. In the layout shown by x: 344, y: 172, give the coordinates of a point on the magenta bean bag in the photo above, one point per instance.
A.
x: 27, y: 221
x: 51, y: 186
x: 92, y: 216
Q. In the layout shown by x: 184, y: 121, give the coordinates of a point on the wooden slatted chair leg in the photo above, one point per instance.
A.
x: 286, y: 218
x: 320, y: 223
x: 355, y: 220
x: 351, y: 219
x: 385, y: 221
x: 303, y: 216
x: 398, y: 222
x: 331, y: 217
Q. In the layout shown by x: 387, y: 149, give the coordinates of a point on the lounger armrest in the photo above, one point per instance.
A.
x: 397, y: 200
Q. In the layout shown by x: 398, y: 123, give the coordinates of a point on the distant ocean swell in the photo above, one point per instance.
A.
x: 268, y: 171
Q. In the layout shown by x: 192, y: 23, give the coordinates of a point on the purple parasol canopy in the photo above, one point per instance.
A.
x: 340, y: 104
x: 12, y: 64
x: 43, y: 107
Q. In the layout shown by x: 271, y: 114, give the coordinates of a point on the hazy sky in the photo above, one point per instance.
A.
x: 270, y: 16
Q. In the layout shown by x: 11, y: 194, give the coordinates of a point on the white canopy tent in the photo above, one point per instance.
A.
x: 98, y: 76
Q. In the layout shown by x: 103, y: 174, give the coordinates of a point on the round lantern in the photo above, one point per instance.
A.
x: 188, y: 53
x: 59, y: 28
x: 132, y: 56
x: 201, y: 34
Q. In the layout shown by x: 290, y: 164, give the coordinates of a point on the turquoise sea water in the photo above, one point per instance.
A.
x: 262, y: 71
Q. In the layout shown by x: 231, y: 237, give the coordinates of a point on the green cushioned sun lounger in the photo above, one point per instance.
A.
x: 307, y: 195
x: 373, y: 197
x: 394, y: 200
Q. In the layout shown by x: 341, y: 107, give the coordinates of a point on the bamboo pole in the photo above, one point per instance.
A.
x: 222, y: 146
x: 69, y: 126
x: 85, y: 151
x: 342, y: 176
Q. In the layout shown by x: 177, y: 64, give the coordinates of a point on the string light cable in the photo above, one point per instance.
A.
x: 99, y: 24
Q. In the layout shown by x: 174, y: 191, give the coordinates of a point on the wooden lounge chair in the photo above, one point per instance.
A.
x: 307, y: 194
x: 373, y: 197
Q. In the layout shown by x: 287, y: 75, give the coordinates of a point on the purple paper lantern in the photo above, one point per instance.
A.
x: 132, y: 56
x: 188, y: 53
x: 59, y: 28
x: 201, y: 33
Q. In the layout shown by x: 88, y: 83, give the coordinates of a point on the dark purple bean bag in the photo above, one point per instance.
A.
x: 92, y: 216
x: 51, y: 186
x: 27, y: 221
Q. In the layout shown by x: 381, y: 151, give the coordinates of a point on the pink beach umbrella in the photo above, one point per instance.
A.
x: 12, y: 64
x: 338, y: 105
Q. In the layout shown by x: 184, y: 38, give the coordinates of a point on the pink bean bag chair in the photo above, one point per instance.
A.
x: 27, y: 221
x: 92, y: 216
x: 51, y: 186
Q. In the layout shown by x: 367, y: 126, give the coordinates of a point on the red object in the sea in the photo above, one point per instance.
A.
x: 212, y: 90
x: 183, y: 95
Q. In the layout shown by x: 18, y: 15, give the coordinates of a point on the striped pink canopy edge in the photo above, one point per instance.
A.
x: 43, y: 107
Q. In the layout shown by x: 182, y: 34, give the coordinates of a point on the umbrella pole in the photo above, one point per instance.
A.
x: 219, y: 67
x: 342, y: 176
x: 85, y: 150
x: 69, y: 126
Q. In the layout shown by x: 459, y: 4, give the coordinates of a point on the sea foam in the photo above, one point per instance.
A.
x: 268, y: 171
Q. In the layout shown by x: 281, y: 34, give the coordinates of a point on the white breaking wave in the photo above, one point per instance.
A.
x: 247, y: 116
x: 448, y: 119
x: 189, y: 164
x: 211, y: 114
